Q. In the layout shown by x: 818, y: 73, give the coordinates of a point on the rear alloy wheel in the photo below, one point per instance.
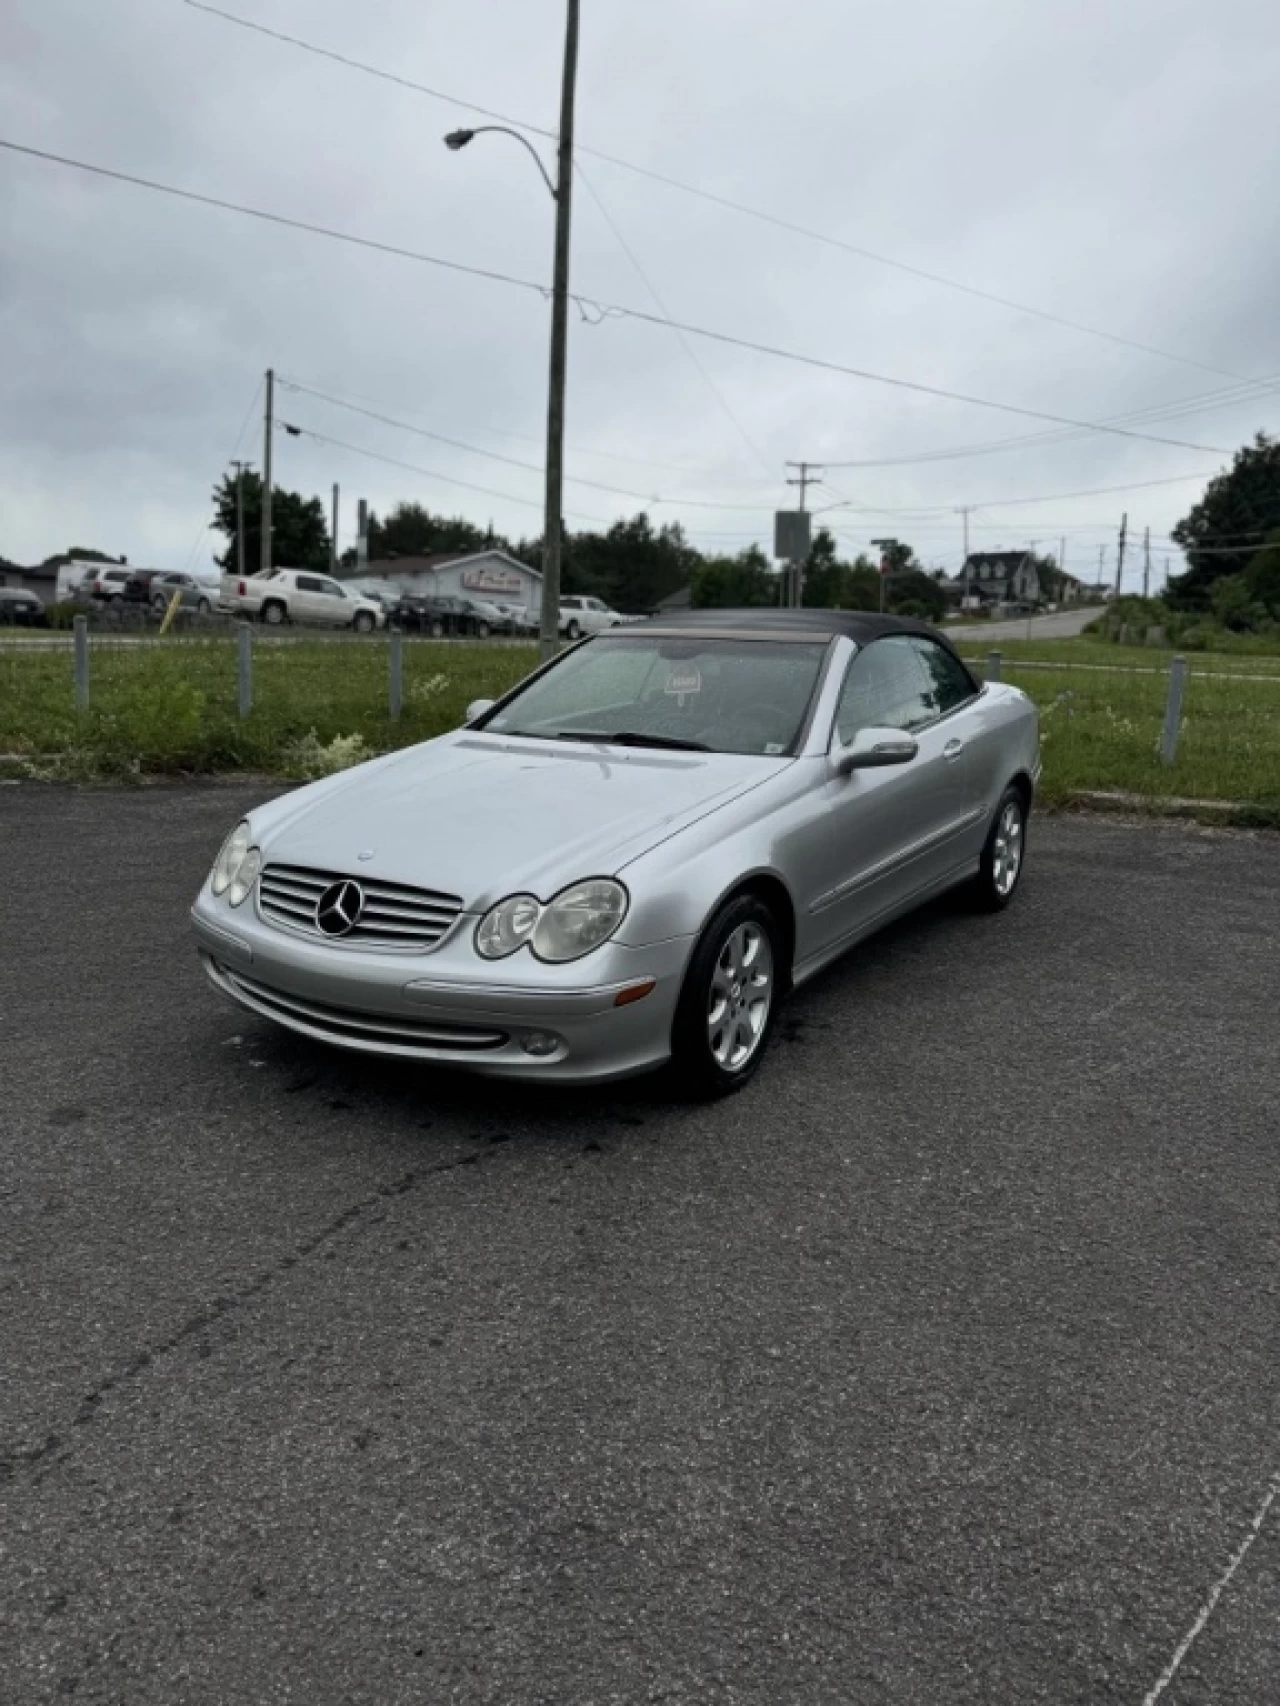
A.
x: 158, y: 602
x: 573, y: 632
x: 729, y: 1000
x: 437, y: 629
x: 363, y: 623
x: 482, y: 630
x: 273, y: 613
x: 1002, y: 857
x: 203, y: 607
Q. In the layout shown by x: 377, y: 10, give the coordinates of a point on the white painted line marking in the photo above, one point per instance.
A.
x: 1206, y: 1610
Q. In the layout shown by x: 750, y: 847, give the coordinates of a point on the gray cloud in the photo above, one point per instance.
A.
x: 1112, y: 165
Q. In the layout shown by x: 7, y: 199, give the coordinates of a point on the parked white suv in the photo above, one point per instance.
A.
x: 296, y: 595
x: 579, y: 616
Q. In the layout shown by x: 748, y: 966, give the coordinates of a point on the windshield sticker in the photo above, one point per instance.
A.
x: 773, y: 748
x: 682, y: 682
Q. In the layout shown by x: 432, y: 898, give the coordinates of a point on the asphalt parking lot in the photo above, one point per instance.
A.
x: 939, y: 1367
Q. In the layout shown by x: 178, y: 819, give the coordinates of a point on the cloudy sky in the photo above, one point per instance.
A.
x: 1104, y: 163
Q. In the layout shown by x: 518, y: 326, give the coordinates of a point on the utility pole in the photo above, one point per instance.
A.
x: 885, y: 545
x: 240, y: 468
x: 268, y: 412
x: 1146, y: 564
x: 553, y: 524
x: 333, y: 531
x: 809, y: 475
x: 1063, y: 595
x: 965, y: 510
x: 1124, y: 531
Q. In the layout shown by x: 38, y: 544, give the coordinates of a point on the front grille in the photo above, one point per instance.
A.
x: 393, y: 915
x: 374, y: 1030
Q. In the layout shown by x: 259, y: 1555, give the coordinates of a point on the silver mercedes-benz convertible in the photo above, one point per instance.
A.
x: 631, y: 858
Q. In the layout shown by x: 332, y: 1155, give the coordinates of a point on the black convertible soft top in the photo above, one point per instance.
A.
x: 861, y: 626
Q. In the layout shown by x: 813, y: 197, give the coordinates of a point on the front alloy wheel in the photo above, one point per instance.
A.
x: 1003, y: 856
x: 729, y: 1000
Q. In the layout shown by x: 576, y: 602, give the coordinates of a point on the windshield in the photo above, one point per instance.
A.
x: 709, y: 695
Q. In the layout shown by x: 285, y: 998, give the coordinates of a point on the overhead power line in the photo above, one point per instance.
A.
x: 1202, y: 401
x: 613, y: 310
x: 511, y: 461
x: 712, y: 196
x: 431, y: 473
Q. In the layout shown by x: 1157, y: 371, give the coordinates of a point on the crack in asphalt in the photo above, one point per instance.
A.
x: 56, y: 1446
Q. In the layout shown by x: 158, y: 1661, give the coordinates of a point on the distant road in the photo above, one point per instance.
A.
x: 1062, y: 625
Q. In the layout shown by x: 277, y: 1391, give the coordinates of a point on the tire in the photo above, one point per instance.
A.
x: 158, y: 604
x: 572, y: 631
x: 437, y: 629
x: 274, y: 613
x: 1004, y: 854
x: 203, y: 607
x: 363, y: 623
x: 720, y: 1033
x: 482, y: 630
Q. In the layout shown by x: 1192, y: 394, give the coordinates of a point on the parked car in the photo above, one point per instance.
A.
x: 106, y: 585
x: 579, y: 616
x: 519, y: 618
x: 296, y: 595
x: 137, y: 586
x: 196, y: 595
x: 21, y: 609
x: 634, y: 855
x: 440, y: 616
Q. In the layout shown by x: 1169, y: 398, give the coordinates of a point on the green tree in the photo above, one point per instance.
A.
x: 1221, y: 534
x: 299, y: 530
x: 632, y: 566
x: 832, y: 584
x: 411, y: 530
x: 1233, y: 603
x: 1263, y: 575
x: 744, y: 582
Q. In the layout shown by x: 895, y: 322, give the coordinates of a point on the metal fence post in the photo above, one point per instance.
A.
x: 1173, y: 710
x: 993, y: 666
x: 397, y: 673
x: 244, y: 646
x: 81, y: 627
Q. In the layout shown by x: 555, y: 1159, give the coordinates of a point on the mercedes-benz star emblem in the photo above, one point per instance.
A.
x: 339, y: 907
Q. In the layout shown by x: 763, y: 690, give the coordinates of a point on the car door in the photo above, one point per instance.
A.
x: 333, y: 607
x: 956, y: 698
x: 888, y: 832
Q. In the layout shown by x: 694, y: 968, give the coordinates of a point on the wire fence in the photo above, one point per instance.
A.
x: 245, y: 697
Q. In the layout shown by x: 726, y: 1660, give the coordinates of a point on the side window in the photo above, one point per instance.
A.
x: 885, y: 689
x: 309, y: 583
x: 331, y: 588
x: 948, y: 681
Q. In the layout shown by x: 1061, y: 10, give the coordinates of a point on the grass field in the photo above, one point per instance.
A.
x: 172, y: 708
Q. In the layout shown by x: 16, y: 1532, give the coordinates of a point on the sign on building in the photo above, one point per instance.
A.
x: 494, y: 580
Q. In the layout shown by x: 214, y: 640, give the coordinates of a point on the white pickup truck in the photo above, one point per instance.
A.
x: 579, y: 616
x: 295, y: 595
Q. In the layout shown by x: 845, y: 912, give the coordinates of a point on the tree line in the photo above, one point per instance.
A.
x: 1231, y: 538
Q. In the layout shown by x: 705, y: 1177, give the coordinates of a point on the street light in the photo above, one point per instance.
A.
x: 562, y: 195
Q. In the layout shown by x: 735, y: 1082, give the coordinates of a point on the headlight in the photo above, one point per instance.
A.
x: 245, y: 877
x: 507, y: 926
x: 579, y: 919
x: 229, y: 860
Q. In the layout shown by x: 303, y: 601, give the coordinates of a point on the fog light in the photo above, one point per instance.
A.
x: 540, y: 1042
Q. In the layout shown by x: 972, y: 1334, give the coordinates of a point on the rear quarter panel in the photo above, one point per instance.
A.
x: 1004, y: 742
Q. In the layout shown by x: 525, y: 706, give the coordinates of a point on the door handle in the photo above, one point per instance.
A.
x: 953, y: 749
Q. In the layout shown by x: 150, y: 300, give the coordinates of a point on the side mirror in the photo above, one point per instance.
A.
x: 478, y: 707
x: 873, y: 749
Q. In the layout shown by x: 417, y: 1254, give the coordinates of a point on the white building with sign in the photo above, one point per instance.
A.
x: 475, y: 574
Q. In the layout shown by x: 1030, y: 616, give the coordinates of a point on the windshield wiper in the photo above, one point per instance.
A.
x: 629, y: 737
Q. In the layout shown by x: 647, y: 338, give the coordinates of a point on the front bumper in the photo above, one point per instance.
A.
x: 447, y: 1006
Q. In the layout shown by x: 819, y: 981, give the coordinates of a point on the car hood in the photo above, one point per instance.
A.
x: 483, y: 817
